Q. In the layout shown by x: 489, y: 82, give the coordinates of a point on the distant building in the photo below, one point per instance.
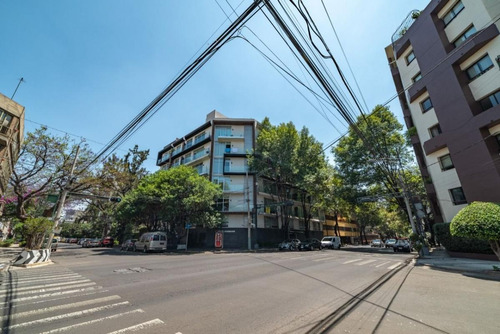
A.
x: 11, y: 138
x: 218, y: 150
x: 348, y: 230
x: 445, y: 65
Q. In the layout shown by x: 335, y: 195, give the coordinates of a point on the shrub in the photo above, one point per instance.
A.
x: 460, y: 244
x: 6, y: 242
x: 480, y: 220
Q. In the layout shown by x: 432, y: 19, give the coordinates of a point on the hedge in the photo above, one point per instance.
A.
x: 459, y: 244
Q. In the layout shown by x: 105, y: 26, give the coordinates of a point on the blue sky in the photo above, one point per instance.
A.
x: 91, y: 66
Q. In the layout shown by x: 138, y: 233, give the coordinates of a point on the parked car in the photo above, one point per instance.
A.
x: 82, y: 240
x: 389, y: 243
x: 377, y: 243
x: 151, y: 241
x: 128, y: 244
x: 331, y: 242
x: 289, y: 244
x: 91, y: 243
x: 310, y: 244
x: 108, y: 242
x: 402, y: 246
x: 73, y: 240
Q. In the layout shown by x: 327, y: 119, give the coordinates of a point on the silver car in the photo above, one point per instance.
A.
x: 289, y: 244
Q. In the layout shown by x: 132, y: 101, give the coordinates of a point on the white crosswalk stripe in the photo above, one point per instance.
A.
x: 56, y: 301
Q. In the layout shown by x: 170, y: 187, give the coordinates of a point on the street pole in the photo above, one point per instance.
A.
x: 62, y: 199
x: 249, y: 222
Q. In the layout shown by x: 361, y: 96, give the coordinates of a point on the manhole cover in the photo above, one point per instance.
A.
x: 131, y: 270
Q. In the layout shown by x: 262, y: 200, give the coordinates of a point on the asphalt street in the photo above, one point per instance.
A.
x: 330, y: 291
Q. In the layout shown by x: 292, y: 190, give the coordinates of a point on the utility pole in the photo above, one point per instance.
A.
x: 249, y: 219
x: 62, y: 199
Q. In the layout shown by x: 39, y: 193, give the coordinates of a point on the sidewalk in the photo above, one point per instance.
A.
x: 439, y: 259
x: 8, y: 254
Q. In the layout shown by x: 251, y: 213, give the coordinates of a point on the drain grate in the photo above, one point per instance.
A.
x: 131, y: 270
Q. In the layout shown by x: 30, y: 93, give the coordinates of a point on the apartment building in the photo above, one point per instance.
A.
x: 348, y: 230
x: 11, y: 138
x: 445, y: 64
x: 218, y: 150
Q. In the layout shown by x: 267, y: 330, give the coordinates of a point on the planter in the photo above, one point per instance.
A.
x: 32, y: 257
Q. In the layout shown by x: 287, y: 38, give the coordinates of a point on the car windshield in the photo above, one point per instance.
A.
x: 327, y: 239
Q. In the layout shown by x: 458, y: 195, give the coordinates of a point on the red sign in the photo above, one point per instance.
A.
x: 219, y: 239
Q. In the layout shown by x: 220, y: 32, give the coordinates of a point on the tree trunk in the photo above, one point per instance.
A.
x: 336, y: 228
x: 495, y: 246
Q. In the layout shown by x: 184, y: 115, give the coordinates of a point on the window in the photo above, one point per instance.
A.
x: 221, y: 148
x: 5, y: 120
x: 188, y: 143
x: 426, y: 104
x: 457, y: 196
x: 224, y: 182
x: 198, y: 153
x: 217, y: 166
x: 270, y: 222
x: 479, y: 68
x: 435, y: 131
x: 490, y: 101
x: 462, y: 38
x: 227, y: 165
x: 199, y: 138
x: 417, y: 77
x: 410, y: 58
x: 445, y: 162
x: 453, y: 13
x: 222, y: 204
x: 224, y: 131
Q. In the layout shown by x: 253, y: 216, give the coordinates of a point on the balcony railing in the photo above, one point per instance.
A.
x: 233, y: 135
x: 235, y: 169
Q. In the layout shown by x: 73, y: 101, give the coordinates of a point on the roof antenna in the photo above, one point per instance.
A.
x: 20, y: 80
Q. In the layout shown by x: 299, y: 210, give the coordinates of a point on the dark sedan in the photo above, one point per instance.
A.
x: 310, y: 244
x: 402, y: 246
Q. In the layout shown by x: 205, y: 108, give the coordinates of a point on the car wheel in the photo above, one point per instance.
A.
x: 145, y: 250
x: 311, y: 248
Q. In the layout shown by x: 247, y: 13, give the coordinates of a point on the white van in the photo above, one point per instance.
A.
x: 151, y: 241
x: 331, y: 242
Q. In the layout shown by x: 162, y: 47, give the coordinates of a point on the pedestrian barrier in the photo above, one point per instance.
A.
x: 30, y: 257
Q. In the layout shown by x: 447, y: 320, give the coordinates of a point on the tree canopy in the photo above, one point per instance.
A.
x: 176, y: 196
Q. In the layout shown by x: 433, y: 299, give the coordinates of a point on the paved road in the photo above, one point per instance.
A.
x: 104, y: 290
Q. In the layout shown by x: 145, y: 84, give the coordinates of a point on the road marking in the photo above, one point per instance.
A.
x: 61, y: 307
x: 90, y: 322
x: 50, y: 300
x: 54, y: 294
x: 394, y: 266
x: 384, y: 263
x: 325, y: 258
x: 364, y: 262
x: 40, y: 278
x: 351, y: 261
x: 66, y: 315
x: 44, y: 285
x: 139, y: 327
x: 50, y: 289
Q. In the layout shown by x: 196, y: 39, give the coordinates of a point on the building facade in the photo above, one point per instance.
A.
x: 445, y: 62
x: 11, y: 138
x: 218, y: 150
x: 348, y: 230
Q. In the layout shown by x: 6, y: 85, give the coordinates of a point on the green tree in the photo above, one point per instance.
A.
x: 172, y: 197
x: 377, y: 158
x: 34, y: 230
x: 115, y: 178
x: 44, y: 167
x: 274, y: 158
x: 479, y: 220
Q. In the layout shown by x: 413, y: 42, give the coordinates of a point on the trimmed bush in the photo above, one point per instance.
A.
x: 460, y: 244
x: 6, y: 243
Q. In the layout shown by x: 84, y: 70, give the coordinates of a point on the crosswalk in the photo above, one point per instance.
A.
x: 53, y: 299
x: 328, y: 256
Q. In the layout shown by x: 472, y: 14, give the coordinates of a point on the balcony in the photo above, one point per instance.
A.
x: 238, y: 170
x: 233, y: 188
x: 231, y: 136
x: 202, y: 170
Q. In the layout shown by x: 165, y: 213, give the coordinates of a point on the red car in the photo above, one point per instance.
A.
x: 108, y: 242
